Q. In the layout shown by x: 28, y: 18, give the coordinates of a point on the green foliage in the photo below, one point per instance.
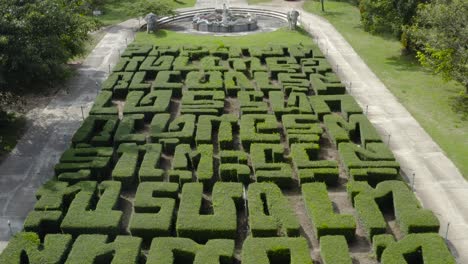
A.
x: 148, y: 104
x: 357, y: 129
x: 141, y: 8
x: 439, y: 35
x: 258, y: 128
x: 26, y: 246
x: 96, y: 160
x: 96, y: 131
x: 269, y: 212
x: 38, y: 38
x: 275, y: 250
x: 334, y: 250
x: 270, y: 165
x: 320, y: 210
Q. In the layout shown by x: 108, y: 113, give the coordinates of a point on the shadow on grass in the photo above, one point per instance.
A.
x: 459, y: 104
x: 405, y: 63
x: 160, y: 34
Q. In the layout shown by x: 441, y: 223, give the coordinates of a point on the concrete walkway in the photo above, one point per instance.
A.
x: 32, y: 161
x: 437, y: 182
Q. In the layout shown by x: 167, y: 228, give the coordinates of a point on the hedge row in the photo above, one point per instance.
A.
x: 334, y: 250
x: 275, y: 250
x: 305, y: 158
x: 270, y: 165
x: 358, y: 129
x: 258, y: 128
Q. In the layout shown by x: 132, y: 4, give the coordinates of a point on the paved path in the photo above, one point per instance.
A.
x: 32, y: 161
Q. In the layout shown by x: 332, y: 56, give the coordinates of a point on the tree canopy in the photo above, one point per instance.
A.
x: 39, y: 37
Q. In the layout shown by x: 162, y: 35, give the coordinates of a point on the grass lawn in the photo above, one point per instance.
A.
x: 116, y: 11
x: 166, y: 37
x: 429, y: 99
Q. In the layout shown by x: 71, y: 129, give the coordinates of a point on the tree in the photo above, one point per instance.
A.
x: 38, y: 38
x: 141, y: 8
x: 440, y: 36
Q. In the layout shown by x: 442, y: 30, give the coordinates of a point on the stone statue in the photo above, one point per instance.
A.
x: 151, y: 22
x: 225, y: 14
x: 292, y: 19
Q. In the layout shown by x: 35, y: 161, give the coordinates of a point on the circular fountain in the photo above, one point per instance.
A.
x: 223, y: 20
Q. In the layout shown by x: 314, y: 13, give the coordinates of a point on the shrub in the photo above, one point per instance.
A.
x: 294, y: 82
x: 200, y: 161
x: 320, y: 210
x: 258, y: 128
x: 301, y: 128
x: 126, y: 167
x: 234, y: 166
x: 223, y: 125
x: 81, y: 218
x: 375, y: 155
x: 267, y: 51
x: 140, y: 82
x: 235, y: 81
x: 156, y: 64
x: 226, y: 198
x: 137, y: 50
x: 169, y: 80
x: 390, y: 195
x: 184, y: 65
x: 174, y: 250
x: 264, y: 83
x: 357, y: 129
x: 97, y: 131
x: 150, y: 169
x: 315, y: 65
x: 27, y: 245
x: 212, y: 81
x: 172, y: 50
x: 343, y: 103
x: 57, y: 195
x: 334, y: 250
x: 148, y: 105
x: 270, y: 165
x: 278, y: 65
x: 154, y: 207
x: 297, y: 103
x: 305, y: 157
x: 275, y: 250
x: 90, y: 249
x: 300, y: 51
x: 251, y: 102
x: 326, y: 84
x: 212, y: 63
x: 43, y: 222
x: 118, y: 83
x: 373, y: 176
x: 269, y: 212
x: 127, y: 132
x: 129, y: 64
x: 97, y: 160
x: 103, y: 105
x: 182, y: 128
x: 194, y: 52
x: 380, y: 243
x: 431, y: 248
x: 202, y: 102
x: 327, y: 175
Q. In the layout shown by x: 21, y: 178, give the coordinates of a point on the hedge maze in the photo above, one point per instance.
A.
x: 226, y: 155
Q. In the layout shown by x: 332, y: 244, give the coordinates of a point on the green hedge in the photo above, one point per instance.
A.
x: 380, y: 243
x: 118, y: 83
x: 334, y: 250
x: 43, y: 222
x: 125, y: 169
x: 226, y: 198
x: 269, y: 212
x: 104, y: 218
x: 169, y: 80
x: 156, y: 64
x: 147, y: 104
x: 181, y: 128
x: 373, y: 176
x: 305, y: 158
x: 137, y: 50
x: 300, y: 51
x: 154, y: 205
x: 266, y: 51
x: 251, y: 102
x: 235, y: 81
x: 223, y: 125
x: 375, y: 155
x: 278, y: 65
x: 326, y: 84
x: 212, y: 63
x: 326, y: 104
x: 103, y: 105
x: 150, y: 169
x: 211, y: 81
x: 57, y: 195
x: 195, y: 52
x: 294, y: 82
x: 315, y: 65
x: 431, y: 248
x: 270, y: 165
x: 358, y: 129
x: 302, y: 128
x: 234, y: 166
x: 258, y: 128
x: 176, y: 250
x: 202, y: 102
x: 140, y: 82
x: 264, y: 83
x: 90, y: 249
x: 97, y: 131
x: 96, y: 160
x: 129, y: 64
x: 184, y: 65
x: 320, y: 210
x: 200, y: 161
x: 128, y: 130
x: 394, y: 196
x: 26, y: 247
x: 276, y: 250
x: 173, y: 50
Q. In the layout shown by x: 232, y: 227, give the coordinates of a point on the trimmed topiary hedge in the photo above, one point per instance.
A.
x: 334, y: 250
x: 275, y: 250
x: 269, y: 164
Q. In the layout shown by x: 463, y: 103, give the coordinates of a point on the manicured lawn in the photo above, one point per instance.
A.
x: 166, y: 37
x: 116, y: 11
x: 429, y: 99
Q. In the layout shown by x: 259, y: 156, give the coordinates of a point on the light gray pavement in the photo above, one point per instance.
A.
x: 32, y: 161
x: 437, y: 182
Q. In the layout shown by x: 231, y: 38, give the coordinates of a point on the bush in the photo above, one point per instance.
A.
x: 129, y: 64
x: 208, y: 125
x: 327, y: 84
x: 380, y: 243
x: 373, y: 176
x: 211, y: 63
x: 395, y: 196
x: 357, y: 129
x: 177, y: 250
x: 103, y: 105
x: 375, y: 155
x: 306, y: 161
x: 315, y: 65
x: 334, y: 250
x: 182, y: 128
x: 154, y: 207
x: 127, y: 132
x: 278, y: 65
x: 251, y: 102
x: 325, y: 104
x: 234, y: 166
x: 320, y: 210
x: 81, y: 218
x: 96, y: 160
x: 26, y: 247
x: 226, y: 198
x: 212, y: 81
x: 90, y: 249
x: 270, y: 165
x: 150, y: 169
x: 202, y: 102
x: 200, y: 161
x: 269, y: 212
x: 297, y: 103
x: 267, y: 51
x: 126, y: 166
x: 137, y: 50
x: 301, y: 51
x: 431, y: 248
x: 236, y: 81
x: 275, y: 250
x: 169, y: 80
x: 184, y: 65
x: 156, y: 64
x: 118, y: 83
x: 140, y: 82
x: 96, y: 131
x: 264, y: 83
x: 148, y: 105
x: 301, y: 128
x: 258, y: 128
